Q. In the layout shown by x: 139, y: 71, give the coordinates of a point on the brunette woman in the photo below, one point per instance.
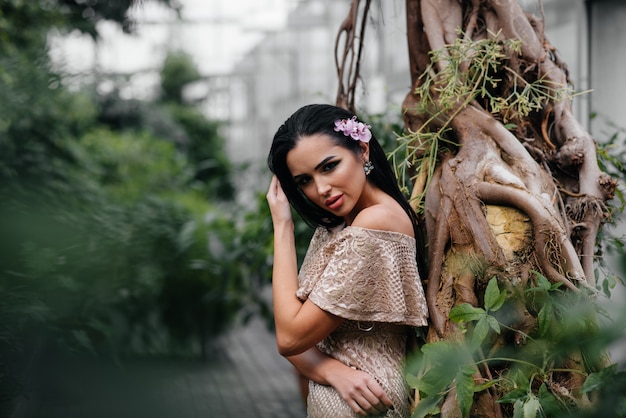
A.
x: 344, y: 319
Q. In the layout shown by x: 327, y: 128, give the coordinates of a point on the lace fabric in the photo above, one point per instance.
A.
x: 368, y: 277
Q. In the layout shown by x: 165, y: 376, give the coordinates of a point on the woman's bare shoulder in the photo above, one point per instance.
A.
x: 384, y: 218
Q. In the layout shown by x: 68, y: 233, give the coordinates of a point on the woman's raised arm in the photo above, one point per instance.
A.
x: 299, y: 326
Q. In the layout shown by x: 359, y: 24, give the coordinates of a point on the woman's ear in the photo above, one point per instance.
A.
x: 365, y: 151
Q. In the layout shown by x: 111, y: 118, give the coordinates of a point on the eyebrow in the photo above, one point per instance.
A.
x: 317, y: 167
x: 324, y: 161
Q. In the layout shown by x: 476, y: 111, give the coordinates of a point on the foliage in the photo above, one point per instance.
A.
x: 205, y: 149
x: 131, y: 165
x: 197, y: 138
x: 107, y: 252
x: 120, y: 233
x: 178, y: 72
x: 484, y: 63
x: 85, y: 15
x: 532, y: 384
x: 611, y: 157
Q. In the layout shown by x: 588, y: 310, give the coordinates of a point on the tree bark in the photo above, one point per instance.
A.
x: 540, y: 178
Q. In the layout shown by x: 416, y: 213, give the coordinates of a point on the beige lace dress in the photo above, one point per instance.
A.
x: 369, y: 278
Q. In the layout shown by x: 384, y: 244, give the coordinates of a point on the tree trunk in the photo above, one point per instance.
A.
x: 518, y: 194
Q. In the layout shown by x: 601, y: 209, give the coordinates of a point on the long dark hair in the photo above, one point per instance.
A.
x: 320, y: 119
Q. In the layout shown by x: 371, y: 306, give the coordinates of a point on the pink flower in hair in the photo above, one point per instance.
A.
x: 358, y: 131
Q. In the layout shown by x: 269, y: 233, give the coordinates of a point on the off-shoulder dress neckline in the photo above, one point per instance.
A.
x: 343, y: 227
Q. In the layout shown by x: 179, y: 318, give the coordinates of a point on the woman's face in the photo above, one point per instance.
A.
x: 330, y: 175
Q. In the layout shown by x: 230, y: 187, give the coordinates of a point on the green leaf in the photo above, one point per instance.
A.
x: 486, y: 385
x: 532, y: 408
x: 549, y: 403
x: 433, y: 349
x: 542, y: 282
x: 518, y: 409
x: 466, y: 313
x: 412, y: 380
x: 544, y: 318
x: 465, y: 388
x: 556, y: 286
x: 427, y: 406
x: 480, y: 331
x: 596, y: 380
x: 514, y: 396
x: 435, y: 381
x: 494, y: 299
x: 493, y: 323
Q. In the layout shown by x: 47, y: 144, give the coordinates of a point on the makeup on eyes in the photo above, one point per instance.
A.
x: 325, y: 165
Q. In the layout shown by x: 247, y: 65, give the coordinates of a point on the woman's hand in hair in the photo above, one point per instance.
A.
x: 278, y: 203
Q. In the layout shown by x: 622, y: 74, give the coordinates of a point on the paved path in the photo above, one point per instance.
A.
x: 245, y: 377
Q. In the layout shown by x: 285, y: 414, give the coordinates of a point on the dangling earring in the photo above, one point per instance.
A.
x: 368, y: 167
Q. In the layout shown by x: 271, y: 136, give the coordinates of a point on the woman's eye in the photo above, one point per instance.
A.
x: 303, y: 181
x: 330, y: 166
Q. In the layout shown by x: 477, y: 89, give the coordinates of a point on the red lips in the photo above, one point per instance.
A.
x: 334, y: 202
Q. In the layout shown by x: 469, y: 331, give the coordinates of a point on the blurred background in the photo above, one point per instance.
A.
x: 133, y: 140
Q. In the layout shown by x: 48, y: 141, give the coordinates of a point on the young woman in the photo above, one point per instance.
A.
x: 343, y: 320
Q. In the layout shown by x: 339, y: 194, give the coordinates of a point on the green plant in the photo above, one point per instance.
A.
x: 467, y: 70
x: 611, y: 157
x: 532, y: 373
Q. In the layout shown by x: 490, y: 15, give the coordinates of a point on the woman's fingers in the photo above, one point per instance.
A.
x: 375, y: 407
x: 381, y: 399
x: 354, y: 405
x: 278, y: 202
x: 361, y: 391
x: 372, y: 399
x: 271, y: 192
